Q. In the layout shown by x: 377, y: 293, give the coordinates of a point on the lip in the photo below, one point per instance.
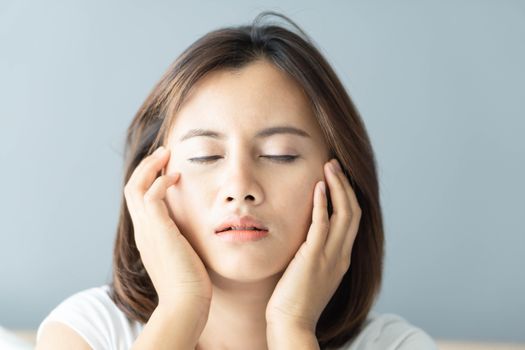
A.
x: 242, y: 236
x: 244, y: 221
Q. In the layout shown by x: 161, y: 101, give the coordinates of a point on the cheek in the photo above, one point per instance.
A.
x: 299, y: 219
x: 184, y: 205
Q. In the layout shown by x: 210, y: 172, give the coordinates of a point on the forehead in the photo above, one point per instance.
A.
x: 246, y: 100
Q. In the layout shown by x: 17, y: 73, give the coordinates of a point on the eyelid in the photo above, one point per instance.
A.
x: 285, y: 158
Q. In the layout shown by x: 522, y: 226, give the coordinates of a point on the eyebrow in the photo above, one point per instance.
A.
x: 281, y: 129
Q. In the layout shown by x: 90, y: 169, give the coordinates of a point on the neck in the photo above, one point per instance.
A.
x: 237, y: 318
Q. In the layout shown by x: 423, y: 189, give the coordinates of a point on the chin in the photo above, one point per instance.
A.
x: 245, y: 270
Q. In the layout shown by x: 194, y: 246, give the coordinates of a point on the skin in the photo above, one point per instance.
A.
x: 285, y: 280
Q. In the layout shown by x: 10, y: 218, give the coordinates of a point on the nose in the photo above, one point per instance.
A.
x: 241, y: 183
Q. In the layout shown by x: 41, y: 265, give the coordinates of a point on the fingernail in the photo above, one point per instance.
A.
x: 323, y: 187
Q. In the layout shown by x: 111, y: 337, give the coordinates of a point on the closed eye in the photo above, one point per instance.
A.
x: 278, y: 159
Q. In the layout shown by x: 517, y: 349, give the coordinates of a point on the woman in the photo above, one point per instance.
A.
x: 235, y: 231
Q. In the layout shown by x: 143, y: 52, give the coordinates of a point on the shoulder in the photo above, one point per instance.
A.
x: 390, y: 332
x: 93, y: 315
x: 56, y: 335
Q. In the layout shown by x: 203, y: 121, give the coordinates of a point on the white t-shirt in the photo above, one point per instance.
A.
x: 96, y: 318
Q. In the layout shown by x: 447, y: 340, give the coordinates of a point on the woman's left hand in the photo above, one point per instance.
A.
x: 317, y: 269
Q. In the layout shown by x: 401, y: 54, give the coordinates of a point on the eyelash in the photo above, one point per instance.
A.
x: 278, y: 159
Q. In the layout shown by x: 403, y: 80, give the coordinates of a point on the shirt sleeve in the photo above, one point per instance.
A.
x: 417, y: 340
x: 391, y: 332
x: 86, y: 314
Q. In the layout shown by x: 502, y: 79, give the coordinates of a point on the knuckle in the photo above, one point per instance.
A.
x: 149, y: 197
x: 324, y: 224
x: 128, y: 194
x: 344, y: 215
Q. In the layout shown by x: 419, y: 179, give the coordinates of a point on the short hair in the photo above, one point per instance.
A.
x: 294, y: 53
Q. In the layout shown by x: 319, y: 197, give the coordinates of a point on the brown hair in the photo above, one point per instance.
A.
x: 294, y: 53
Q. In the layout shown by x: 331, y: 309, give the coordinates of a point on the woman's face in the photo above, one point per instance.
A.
x: 239, y: 178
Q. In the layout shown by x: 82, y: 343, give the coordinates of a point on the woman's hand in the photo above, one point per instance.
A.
x: 175, y: 269
x: 317, y: 269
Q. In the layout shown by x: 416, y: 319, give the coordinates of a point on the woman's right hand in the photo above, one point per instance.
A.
x: 177, y: 272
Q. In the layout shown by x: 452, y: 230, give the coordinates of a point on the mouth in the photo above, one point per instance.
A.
x: 244, y: 223
x: 240, y: 229
x: 242, y: 234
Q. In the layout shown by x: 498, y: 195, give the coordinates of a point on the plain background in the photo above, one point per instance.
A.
x: 440, y: 87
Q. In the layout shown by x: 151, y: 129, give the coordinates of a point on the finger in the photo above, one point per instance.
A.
x: 341, y: 214
x: 355, y: 220
x: 145, y: 173
x: 319, y: 228
x: 355, y: 211
x: 157, y: 153
x: 143, y: 176
x: 154, y: 203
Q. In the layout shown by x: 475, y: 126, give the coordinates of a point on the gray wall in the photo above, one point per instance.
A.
x: 439, y: 84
